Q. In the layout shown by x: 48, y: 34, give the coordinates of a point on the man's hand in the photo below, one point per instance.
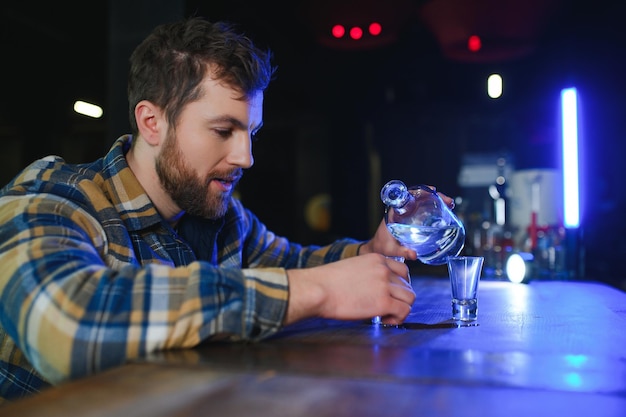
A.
x: 355, y: 288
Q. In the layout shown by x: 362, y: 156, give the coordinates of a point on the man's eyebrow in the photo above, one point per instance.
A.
x: 235, y: 122
x: 229, y: 120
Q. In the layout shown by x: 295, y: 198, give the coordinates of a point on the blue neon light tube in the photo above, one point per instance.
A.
x: 569, y: 129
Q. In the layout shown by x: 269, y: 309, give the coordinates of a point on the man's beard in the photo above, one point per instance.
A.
x: 189, y: 192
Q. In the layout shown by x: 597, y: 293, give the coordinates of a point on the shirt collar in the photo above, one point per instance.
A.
x: 124, y: 190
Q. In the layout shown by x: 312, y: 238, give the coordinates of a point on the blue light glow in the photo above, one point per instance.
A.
x: 574, y: 380
x: 576, y: 361
x: 569, y: 112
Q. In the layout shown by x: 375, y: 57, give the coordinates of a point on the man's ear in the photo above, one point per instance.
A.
x: 150, y: 121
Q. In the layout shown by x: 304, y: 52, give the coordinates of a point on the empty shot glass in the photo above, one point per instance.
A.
x: 377, y: 319
x: 464, y: 277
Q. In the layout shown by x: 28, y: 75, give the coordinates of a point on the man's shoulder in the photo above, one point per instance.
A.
x: 54, y: 168
x: 52, y: 175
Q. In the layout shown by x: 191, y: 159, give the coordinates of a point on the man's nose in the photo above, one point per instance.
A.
x: 241, y: 152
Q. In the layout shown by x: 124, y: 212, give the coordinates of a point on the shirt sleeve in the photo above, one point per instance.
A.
x: 73, y: 308
x: 263, y: 248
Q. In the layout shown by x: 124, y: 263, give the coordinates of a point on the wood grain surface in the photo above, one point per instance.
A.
x: 547, y: 348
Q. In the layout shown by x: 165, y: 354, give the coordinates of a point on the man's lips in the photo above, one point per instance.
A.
x: 225, y: 184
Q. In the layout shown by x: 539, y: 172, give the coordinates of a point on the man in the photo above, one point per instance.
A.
x: 146, y: 249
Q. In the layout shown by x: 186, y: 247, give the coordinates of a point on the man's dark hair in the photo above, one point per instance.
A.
x: 168, y: 66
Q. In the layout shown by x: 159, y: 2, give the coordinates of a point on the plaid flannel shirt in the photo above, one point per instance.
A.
x: 92, y: 276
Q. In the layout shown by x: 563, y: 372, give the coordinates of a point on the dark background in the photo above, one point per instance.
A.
x: 343, y: 118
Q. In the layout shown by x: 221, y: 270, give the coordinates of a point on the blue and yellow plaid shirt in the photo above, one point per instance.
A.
x: 92, y: 276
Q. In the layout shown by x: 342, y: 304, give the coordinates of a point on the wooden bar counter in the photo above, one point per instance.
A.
x: 549, y: 348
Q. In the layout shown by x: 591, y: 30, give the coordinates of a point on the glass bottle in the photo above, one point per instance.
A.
x: 419, y: 219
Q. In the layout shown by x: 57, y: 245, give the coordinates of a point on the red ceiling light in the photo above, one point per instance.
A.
x: 356, y: 33
x: 512, y: 27
x: 375, y: 28
x: 357, y: 24
x: 474, y: 43
x: 338, y: 31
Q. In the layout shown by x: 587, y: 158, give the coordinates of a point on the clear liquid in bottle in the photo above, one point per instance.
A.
x: 419, y: 219
x: 433, y: 245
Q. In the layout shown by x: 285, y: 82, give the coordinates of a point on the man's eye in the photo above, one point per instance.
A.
x: 224, y: 133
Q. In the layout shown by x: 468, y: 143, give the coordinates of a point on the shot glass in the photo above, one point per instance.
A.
x: 377, y: 319
x: 464, y: 277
